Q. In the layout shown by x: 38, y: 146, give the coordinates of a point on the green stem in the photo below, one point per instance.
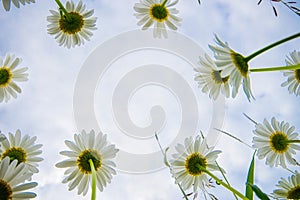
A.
x: 271, y: 46
x: 61, y: 6
x: 93, y: 197
x: 182, y: 191
x: 220, y: 169
x: 222, y: 183
x: 272, y: 69
x: 289, y: 170
x: 164, y: 3
x: 168, y: 165
x: 292, y: 141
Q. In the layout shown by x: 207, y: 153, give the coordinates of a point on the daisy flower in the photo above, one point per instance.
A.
x: 288, y: 189
x: 293, y: 76
x: 22, y: 149
x: 88, y: 146
x: 186, y: 162
x: 12, y: 177
x: 276, y: 142
x: 9, y: 75
x: 159, y: 13
x: 234, y: 65
x: 6, y: 3
x: 72, y: 25
x: 209, y: 78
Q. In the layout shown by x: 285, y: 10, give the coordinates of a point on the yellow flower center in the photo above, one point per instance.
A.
x: 216, y: 76
x: 15, y: 153
x: 71, y: 24
x: 297, y: 75
x: 278, y: 142
x: 159, y: 12
x: 193, y: 162
x: 240, y: 63
x: 5, y: 190
x: 294, y: 193
x: 83, y: 161
x: 5, y: 76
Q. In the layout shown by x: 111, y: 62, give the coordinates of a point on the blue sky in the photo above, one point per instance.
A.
x: 45, y: 107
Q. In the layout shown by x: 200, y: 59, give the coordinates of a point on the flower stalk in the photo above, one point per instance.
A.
x: 93, y: 197
x: 220, y: 169
x: 168, y: 165
x: 248, y: 58
x: 272, y: 69
x: 61, y: 7
x: 164, y: 3
x: 292, y: 141
x: 222, y: 183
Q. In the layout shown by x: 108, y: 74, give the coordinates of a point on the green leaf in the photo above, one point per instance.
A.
x: 250, y: 179
x: 260, y: 194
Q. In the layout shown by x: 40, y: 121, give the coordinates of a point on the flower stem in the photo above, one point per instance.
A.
x: 292, y: 141
x: 222, y: 183
x: 168, y: 165
x: 164, y: 3
x: 93, y: 197
x: 61, y: 6
x: 272, y: 69
x: 182, y: 191
x: 271, y: 46
x: 220, y: 169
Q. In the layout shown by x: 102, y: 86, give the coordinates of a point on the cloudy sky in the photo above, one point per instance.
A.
x: 45, y: 107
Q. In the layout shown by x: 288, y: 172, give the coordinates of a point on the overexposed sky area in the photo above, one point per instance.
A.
x: 45, y: 106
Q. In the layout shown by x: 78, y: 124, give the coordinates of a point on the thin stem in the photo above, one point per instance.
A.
x: 164, y: 3
x: 163, y: 152
x: 254, y: 122
x: 220, y: 169
x: 61, y: 6
x: 289, y: 7
x: 289, y: 170
x: 222, y: 183
x: 272, y: 69
x: 236, y: 138
x: 271, y: 46
x: 93, y: 197
x: 182, y: 191
x: 292, y: 141
x: 168, y: 165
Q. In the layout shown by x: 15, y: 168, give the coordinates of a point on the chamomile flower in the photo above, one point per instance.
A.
x: 12, y: 177
x: 274, y: 141
x: 293, y: 76
x: 209, y: 78
x: 234, y: 65
x: 73, y: 27
x: 288, y: 189
x: 159, y: 13
x: 186, y: 162
x: 22, y: 149
x: 88, y: 146
x: 9, y: 75
x: 7, y: 3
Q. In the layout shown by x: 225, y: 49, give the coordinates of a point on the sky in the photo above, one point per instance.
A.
x: 45, y: 108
